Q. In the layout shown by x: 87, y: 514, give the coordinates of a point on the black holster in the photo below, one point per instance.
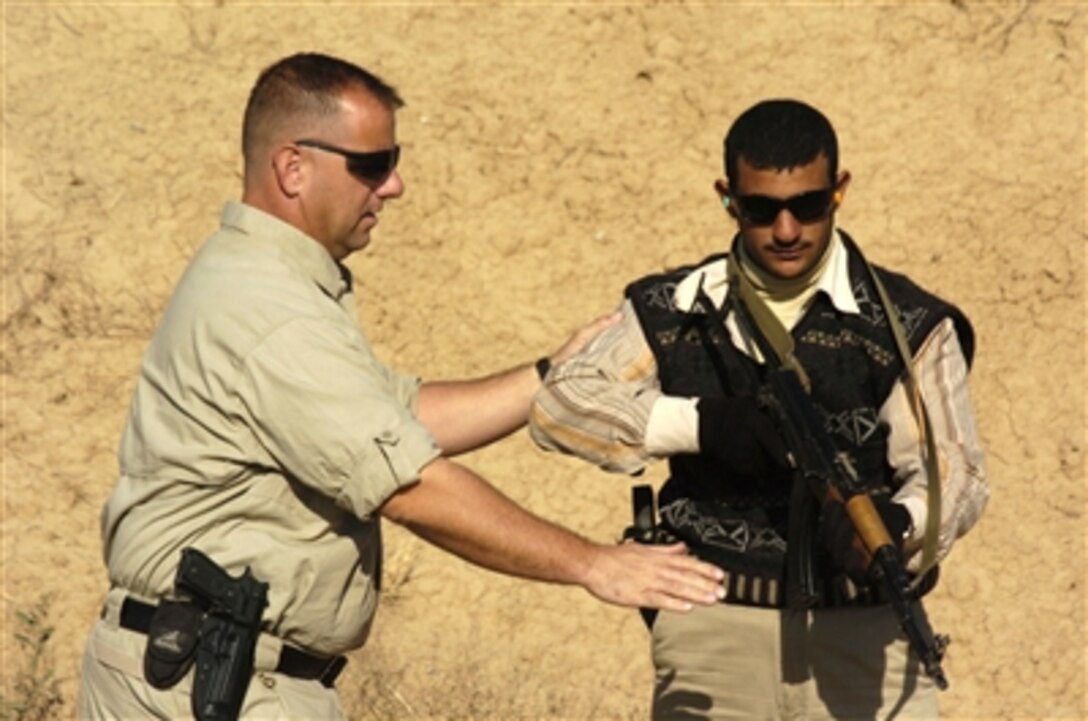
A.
x: 171, y: 642
x: 214, y: 621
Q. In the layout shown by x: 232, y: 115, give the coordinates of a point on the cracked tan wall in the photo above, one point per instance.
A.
x: 553, y: 153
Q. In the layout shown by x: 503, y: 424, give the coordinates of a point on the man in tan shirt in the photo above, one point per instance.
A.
x: 264, y: 433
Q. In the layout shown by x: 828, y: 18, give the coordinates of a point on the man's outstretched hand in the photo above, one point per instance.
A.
x: 648, y: 576
x: 457, y: 510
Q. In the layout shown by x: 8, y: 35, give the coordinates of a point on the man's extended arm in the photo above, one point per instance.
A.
x: 458, y: 511
x: 942, y: 377
x: 464, y: 415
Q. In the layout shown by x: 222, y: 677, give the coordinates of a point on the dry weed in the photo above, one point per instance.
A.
x: 34, y: 693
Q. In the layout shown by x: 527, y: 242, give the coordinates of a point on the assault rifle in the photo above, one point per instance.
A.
x: 832, y: 479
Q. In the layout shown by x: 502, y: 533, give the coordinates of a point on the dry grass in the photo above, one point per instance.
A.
x: 32, y: 692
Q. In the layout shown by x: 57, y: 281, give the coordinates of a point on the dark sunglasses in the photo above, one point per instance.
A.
x: 375, y: 166
x: 806, y: 207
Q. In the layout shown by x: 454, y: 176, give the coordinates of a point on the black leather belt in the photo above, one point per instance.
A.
x: 136, y: 616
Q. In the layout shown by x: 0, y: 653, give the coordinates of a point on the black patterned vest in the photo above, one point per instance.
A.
x: 739, y: 523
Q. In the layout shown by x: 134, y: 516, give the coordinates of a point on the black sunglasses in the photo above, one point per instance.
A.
x: 806, y: 207
x: 374, y: 167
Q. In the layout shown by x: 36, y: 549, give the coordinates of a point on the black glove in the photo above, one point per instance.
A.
x: 838, y: 535
x: 736, y: 433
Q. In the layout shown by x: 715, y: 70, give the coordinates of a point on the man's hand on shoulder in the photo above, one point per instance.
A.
x: 581, y: 337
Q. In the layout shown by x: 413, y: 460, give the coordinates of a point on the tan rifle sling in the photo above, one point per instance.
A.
x: 921, y: 419
x: 782, y: 342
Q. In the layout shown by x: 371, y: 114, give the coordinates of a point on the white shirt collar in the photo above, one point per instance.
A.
x: 835, y: 282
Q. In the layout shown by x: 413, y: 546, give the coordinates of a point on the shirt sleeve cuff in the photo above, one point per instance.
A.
x: 673, y: 427
x: 392, y: 460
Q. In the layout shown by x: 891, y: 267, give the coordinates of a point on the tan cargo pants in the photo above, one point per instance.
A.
x: 737, y: 662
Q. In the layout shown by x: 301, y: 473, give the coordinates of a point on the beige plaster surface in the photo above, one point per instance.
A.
x: 552, y: 153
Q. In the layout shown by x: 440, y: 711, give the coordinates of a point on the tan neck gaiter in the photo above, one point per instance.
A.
x: 787, y: 299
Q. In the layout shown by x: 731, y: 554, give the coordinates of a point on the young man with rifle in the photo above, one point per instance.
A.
x: 821, y: 443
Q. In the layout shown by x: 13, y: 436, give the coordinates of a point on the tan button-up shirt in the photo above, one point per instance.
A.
x: 264, y: 432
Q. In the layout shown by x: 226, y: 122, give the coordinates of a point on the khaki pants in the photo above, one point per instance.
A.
x: 112, y: 684
x: 737, y: 662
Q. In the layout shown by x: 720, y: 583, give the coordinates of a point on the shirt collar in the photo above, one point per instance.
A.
x: 834, y: 282
x: 303, y: 252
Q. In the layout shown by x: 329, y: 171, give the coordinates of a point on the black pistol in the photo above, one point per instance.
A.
x: 228, y: 633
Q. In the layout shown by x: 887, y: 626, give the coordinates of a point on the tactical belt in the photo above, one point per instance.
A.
x: 752, y: 590
x: 136, y: 616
